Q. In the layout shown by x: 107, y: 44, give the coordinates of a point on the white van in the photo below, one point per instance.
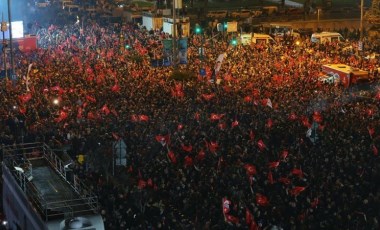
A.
x: 326, y: 37
x: 262, y: 39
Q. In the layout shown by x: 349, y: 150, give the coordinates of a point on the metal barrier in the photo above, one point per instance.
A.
x: 18, y: 158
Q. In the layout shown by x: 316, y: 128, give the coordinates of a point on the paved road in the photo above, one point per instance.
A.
x: 288, y: 3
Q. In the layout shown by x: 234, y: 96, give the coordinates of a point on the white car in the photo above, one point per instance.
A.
x: 330, y: 78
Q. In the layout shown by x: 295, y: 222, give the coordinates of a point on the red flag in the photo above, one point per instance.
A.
x: 284, y: 180
x: 269, y: 123
x: 197, y: 116
x: 187, y: 148
x: 296, y: 190
x: 247, y: 99
x: 297, y: 172
x: 172, y: 157
x: 134, y: 118
x: 374, y: 149
x: 226, y: 205
x: 256, y: 93
x: 113, y: 111
x: 261, y: 145
x: 141, y: 184
x: 251, y: 169
x: 80, y: 113
x: 91, y: 116
x: 25, y: 98
x: 62, y: 116
x: 305, y: 122
x: 90, y: 99
x: 105, y: 109
x: 164, y: 139
x: 212, y: 146
x: 222, y: 125
x: 370, y: 112
x: 261, y: 200
x: 371, y: 131
x: 143, y: 117
x: 22, y: 110
x: 234, y: 124
x: 251, y: 135
x: 270, y: 177
x: 232, y: 219
x: 273, y: 164
x: 208, y: 97
x: 215, y: 117
x: 115, y: 136
x: 317, y: 117
x: 188, y: 162
x: 315, y: 202
x: 180, y: 127
x: 248, y: 217
x: 115, y: 88
x: 149, y: 182
x: 201, y: 155
x: 284, y: 154
x: 292, y: 116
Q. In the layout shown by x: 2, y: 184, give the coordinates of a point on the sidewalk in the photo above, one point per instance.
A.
x: 288, y: 3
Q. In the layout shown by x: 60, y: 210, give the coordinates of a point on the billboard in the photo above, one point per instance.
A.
x: 17, y: 30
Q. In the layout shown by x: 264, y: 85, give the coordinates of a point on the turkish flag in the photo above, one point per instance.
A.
x: 371, y: 131
x: 201, y: 155
x: 165, y: 139
x: 115, y: 88
x: 247, y: 99
x: 62, y: 116
x: 187, y: 148
x: 188, y: 161
x: 91, y: 116
x: 141, y: 184
x: 292, y: 116
x: 105, y: 109
x: 284, y: 154
x: 80, y: 113
x: 261, y: 145
x: 251, y: 135
x: 284, y: 180
x: 251, y: 169
x: 232, y: 219
x: 296, y: 190
x: 213, y: 146
x: 179, y: 127
x: 234, y: 124
x: 273, y: 164
x: 25, y: 98
x: 22, y: 110
x: 215, y: 117
x: 317, y: 117
x: 261, y: 200
x: 208, y: 97
x: 269, y: 123
x: 297, y: 172
x: 222, y: 125
x: 197, y: 116
x: 172, y: 157
x: 134, y: 118
x: 305, y: 122
x: 90, y: 99
x: 143, y: 117
x: 374, y: 149
x: 270, y: 177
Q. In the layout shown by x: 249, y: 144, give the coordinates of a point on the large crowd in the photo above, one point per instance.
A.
x: 253, y: 141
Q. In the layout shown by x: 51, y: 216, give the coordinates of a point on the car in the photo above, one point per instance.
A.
x: 330, y: 78
x: 217, y: 14
x: 240, y: 14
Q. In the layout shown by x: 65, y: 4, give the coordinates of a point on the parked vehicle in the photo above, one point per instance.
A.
x: 326, y: 37
x: 217, y: 14
x: 347, y: 75
x: 240, y: 14
x: 330, y: 78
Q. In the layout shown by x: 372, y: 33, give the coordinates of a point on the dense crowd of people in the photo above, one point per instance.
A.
x: 251, y: 141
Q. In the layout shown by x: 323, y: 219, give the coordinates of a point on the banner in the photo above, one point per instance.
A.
x: 182, y: 50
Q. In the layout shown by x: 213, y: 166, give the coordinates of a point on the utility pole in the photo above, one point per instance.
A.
x: 174, y: 59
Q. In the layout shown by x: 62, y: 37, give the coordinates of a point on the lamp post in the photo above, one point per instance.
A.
x: 318, y: 16
x: 174, y: 35
x: 10, y: 36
